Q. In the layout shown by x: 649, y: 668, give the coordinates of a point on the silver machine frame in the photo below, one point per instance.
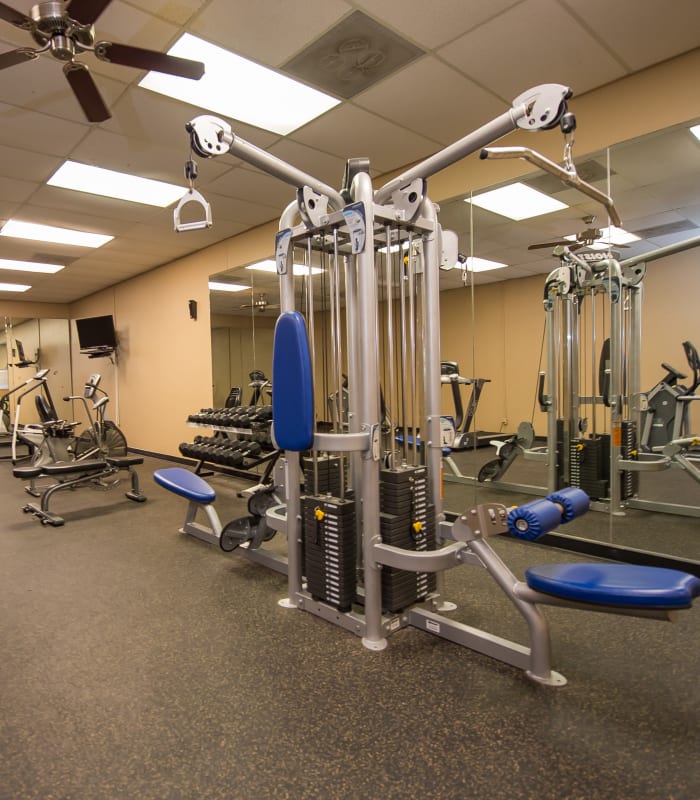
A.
x: 354, y: 228
x: 573, y: 283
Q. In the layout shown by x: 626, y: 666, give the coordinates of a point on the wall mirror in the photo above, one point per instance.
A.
x: 501, y: 319
x: 26, y: 346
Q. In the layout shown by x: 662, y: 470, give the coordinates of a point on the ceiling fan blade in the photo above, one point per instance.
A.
x: 16, y: 57
x: 86, y: 11
x: 86, y: 92
x: 543, y: 245
x: 15, y: 17
x: 139, y: 58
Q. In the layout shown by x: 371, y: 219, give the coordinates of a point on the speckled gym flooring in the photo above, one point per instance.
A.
x: 140, y: 664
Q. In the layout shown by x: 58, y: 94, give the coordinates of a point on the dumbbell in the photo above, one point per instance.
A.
x: 533, y: 520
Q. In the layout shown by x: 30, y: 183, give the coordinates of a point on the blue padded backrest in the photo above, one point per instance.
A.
x: 292, y: 384
x: 616, y: 584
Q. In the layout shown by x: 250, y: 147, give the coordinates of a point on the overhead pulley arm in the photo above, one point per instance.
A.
x: 211, y: 136
x: 539, y: 108
x: 567, y: 176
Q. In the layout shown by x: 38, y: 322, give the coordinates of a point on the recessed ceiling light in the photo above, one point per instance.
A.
x: 516, y: 201
x: 299, y: 269
x: 695, y: 130
x: 29, y: 266
x: 48, y: 233
x: 476, y: 264
x: 240, y: 89
x: 617, y: 235
x: 14, y: 287
x: 219, y: 286
x: 120, y: 185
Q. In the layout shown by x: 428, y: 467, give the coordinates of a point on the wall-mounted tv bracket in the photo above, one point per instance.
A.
x: 567, y: 173
x: 192, y: 196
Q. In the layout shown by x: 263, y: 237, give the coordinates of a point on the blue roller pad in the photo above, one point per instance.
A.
x: 185, y: 483
x: 533, y: 520
x: 292, y: 382
x: 627, y: 585
x: 574, y: 502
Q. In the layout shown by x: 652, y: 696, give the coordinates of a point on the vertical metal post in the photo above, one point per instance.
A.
x: 634, y: 356
x: 615, y: 384
x: 553, y: 409
x: 292, y: 471
x: 368, y: 407
x: 432, y: 445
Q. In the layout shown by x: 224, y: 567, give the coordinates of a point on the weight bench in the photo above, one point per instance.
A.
x: 199, y: 494
x: 245, y: 534
x: 71, y: 474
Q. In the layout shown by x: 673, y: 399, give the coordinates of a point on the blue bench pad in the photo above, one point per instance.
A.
x: 616, y: 584
x: 185, y: 483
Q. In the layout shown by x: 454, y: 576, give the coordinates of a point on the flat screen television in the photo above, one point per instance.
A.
x: 96, y: 333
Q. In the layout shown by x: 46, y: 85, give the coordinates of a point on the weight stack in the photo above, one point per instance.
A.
x: 589, y: 465
x: 328, y: 472
x: 329, y: 542
x: 407, y: 520
x: 629, y: 480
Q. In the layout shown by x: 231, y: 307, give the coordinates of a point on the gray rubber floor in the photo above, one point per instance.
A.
x: 139, y: 663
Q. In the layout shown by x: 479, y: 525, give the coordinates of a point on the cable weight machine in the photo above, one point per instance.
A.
x: 367, y: 540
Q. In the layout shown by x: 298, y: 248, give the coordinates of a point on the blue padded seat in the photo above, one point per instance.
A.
x: 185, y: 483
x: 616, y: 584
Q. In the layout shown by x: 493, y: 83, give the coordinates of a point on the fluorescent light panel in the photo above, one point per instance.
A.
x: 516, y: 201
x: 695, y: 130
x: 220, y: 286
x: 14, y: 287
x: 240, y: 89
x: 48, y: 233
x: 476, y: 264
x: 299, y: 269
x: 120, y: 185
x: 29, y: 266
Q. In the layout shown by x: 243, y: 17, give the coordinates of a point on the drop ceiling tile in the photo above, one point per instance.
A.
x: 431, y: 25
x: 350, y: 132
x: 18, y: 191
x: 30, y: 127
x: 245, y: 212
x: 527, y: 56
x: 134, y: 156
x: 248, y: 183
x: 152, y: 117
x: 652, y: 37
x: 79, y: 204
x: 428, y: 114
x: 176, y: 11
x: 322, y: 166
x: 267, y: 31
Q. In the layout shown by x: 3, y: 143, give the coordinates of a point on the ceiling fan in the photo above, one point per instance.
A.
x: 585, y: 238
x: 260, y: 303
x: 66, y: 30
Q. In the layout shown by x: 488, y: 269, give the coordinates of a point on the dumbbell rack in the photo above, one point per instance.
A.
x: 261, y: 430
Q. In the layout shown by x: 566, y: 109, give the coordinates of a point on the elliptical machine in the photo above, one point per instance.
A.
x: 667, y: 412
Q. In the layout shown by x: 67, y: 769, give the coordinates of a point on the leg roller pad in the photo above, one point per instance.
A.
x: 534, y: 519
x: 573, y: 501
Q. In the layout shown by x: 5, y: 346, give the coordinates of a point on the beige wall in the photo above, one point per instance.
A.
x: 164, y: 370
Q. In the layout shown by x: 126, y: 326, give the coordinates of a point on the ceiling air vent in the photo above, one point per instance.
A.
x: 656, y: 231
x: 352, y: 56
